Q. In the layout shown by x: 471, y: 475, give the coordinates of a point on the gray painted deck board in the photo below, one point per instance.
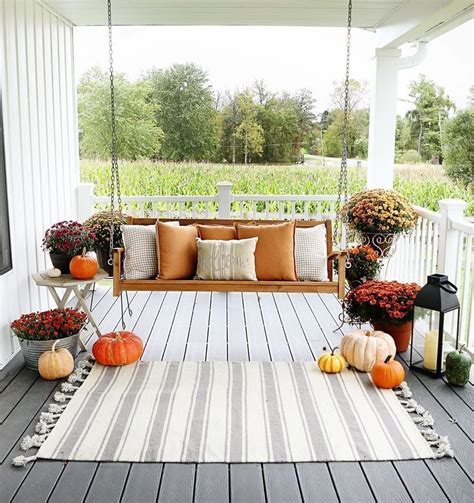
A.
x: 143, y: 482
x: 212, y: 483
x: 108, y: 483
x: 41, y: 481
x: 74, y: 483
x: 281, y: 483
x: 385, y: 482
x: 177, y: 483
x: 316, y: 483
x: 350, y: 482
x: 420, y: 483
x: 238, y: 327
x: 246, y: 483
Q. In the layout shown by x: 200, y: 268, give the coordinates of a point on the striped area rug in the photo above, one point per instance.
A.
x: 232, y: 412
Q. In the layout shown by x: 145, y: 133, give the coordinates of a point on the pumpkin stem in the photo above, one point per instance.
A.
x: 461, y: 348
x: 84, y: 251
x: 368, y: 333
x: 389, y: 357
x: 53, y: 349
x: 117, y: 335
x: 334, y: 349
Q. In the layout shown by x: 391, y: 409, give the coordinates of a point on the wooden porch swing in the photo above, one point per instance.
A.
x: 336, y: 286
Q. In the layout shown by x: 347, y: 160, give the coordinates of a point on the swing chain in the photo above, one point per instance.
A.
x: 114, y: 172
x: 343, y: 186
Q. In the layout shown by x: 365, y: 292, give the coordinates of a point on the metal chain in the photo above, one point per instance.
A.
x: 343, y: 186
x: 114, y: 171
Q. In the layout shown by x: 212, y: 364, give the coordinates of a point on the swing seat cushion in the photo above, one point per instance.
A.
x: 178, y: 251
x: 274, y: 256
x: 229, y: 260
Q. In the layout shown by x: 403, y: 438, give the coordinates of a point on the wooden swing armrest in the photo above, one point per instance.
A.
x: 117, y: 270
x: 341, y: 256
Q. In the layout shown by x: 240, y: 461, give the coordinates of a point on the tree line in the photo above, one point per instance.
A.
x: 175, y: 114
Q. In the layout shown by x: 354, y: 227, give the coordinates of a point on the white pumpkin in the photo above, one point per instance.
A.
x: 364, y: 348
x: 53, y: 273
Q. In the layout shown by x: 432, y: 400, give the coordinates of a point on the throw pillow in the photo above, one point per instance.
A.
x: 140, y: 261
x: 311, y: 253
x: 274, y: 256
x: 178, y: 251
x: 220, y: 232
x: 157, y: 245
x: 226, y: 260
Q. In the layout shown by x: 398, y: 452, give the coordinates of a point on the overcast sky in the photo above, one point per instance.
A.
x: 286, y: 58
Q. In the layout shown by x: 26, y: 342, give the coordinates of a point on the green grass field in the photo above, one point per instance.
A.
x: 424, y: 185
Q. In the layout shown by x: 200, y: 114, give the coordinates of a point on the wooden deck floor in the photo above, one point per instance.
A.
x: 233, y: 326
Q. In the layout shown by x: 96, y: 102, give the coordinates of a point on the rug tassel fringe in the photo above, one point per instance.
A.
x: 47, y: 420
x: 440, y: 445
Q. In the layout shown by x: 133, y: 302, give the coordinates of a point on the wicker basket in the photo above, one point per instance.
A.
x: 32, y: 350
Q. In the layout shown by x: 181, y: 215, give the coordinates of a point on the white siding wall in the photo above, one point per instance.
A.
x: 37, y: 72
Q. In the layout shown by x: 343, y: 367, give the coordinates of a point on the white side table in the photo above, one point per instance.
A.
x: 78, y: 287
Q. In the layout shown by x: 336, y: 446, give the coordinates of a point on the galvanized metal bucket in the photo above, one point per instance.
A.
x: 32, y: 350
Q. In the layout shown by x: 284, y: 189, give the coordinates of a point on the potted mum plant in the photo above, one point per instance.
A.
x: 37, y: 332
x: 66, y: 239
x: 379, y: 216
x: 99, y: 223
x: 363, y: 264
x: 388, y: 305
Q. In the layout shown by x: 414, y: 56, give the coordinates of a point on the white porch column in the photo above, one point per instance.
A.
x: 383, y: 114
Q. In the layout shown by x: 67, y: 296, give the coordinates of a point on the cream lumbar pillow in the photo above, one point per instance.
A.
x: 226, y: 260
x: 311, y: 253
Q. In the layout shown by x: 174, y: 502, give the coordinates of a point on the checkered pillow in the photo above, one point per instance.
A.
x: 311, y: 253
x: 140, y: 251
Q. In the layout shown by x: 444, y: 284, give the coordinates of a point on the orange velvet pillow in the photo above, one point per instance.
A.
x: 274, y: 256
x: 178, y: 251
x: 219, y: 232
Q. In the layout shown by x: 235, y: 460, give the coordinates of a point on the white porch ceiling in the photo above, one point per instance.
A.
x: 367, y: 13
x: 396, y: 21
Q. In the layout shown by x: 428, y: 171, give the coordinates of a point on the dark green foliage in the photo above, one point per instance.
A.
x: 432, y: 107
x: 184, y: 105
x: 137, y: 134
x: 458, y: 148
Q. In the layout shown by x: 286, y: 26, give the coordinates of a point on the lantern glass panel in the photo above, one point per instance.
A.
x: 428, y: 324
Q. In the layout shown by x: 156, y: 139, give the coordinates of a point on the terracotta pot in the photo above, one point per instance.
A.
x: 381, y: 243
x: 401, y: 333
x: 60, y: 261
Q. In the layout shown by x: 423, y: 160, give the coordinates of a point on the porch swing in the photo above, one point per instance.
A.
x: 336, y: 286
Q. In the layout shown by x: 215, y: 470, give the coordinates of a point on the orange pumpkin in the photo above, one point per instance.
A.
x: 117, y: 348
x: 388, y: 374
x: 83, y: 266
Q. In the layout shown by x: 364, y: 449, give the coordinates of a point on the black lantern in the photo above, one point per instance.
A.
x: 436, y: 318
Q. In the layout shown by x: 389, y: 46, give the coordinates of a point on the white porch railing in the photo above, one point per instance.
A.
x: 442, y: 242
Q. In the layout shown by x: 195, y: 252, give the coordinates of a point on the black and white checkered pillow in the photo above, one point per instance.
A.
x: 311, y: 253
x: 140, y: 251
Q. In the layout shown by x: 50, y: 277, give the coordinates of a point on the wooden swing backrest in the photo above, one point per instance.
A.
x: 230, y: 222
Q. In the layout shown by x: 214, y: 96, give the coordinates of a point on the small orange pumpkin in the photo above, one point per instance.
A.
x: 117, y: 348
x: 55, y: 364
x: 83, y: 266
x: 388, y: 374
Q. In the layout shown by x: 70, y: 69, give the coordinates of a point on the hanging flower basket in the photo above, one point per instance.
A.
x: 380, y: 242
